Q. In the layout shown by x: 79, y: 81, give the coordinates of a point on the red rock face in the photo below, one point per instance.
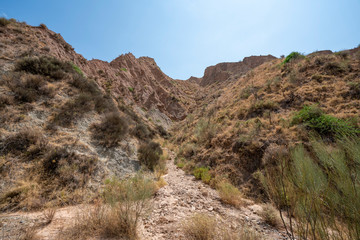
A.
x: 224, y: 71
x: 132, y: 80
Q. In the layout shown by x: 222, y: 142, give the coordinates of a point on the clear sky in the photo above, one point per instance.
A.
x: 186, y: 36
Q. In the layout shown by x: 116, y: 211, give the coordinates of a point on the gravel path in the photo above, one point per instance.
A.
x: 184, y: 196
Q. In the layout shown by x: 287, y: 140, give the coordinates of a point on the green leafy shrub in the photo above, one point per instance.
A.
x: 314, y: 118
x: 46, y: 66
x: 77, y: 69
x: 293, y: 56
x: 202, y: 173
x: 131, y: 89
x: 149, y: 154
x: 111, y: 130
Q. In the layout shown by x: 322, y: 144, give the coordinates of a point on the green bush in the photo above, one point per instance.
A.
x: 202, y: 173
x: 314, y: 118
x: 293, y: 56
x: 149, y: 154
x: 319, y: 187
x: 111, y: 130
x: 46, y: 66
x: 77, y: 69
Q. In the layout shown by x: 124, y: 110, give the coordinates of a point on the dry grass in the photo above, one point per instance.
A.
x: 229, y: 194
x: 200, y: 227
x: 270, y: 215
x: 49, y: 214
x: 117, y: 214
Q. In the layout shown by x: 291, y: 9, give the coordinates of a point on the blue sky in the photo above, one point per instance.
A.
x: 186, y: 36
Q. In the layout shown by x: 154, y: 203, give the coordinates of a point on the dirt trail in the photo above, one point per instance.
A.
x: 180, y: 198
x: 184, y: 196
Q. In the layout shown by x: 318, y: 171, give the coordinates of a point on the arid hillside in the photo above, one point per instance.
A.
x: 238, y: 123
x: 264, y: 148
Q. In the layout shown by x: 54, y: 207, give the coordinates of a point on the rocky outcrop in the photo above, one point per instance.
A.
x: 134, y: 81
x: 224, y: 71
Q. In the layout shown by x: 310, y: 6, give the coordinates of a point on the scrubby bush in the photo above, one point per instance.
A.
x: 354, y: 90
x: 4, y: 101
x: 205, y: 131
x: 117, y: 216
x: 46, y: 66
x: 200, y: 227
x: 149, y: 154
x: 111, y: 130
x: 73, y: 109
x: 335, y: 68
x: 319, y: 187
x: 229, y: 193
x: 4, y: 22
x: 314, y: 118
x: 19, y: 142
x: 162, y: 132
x: 270, y: 215
x: 141, y: 131
x: 202, y: 173
x: 292, y: 57
x: 28, y: 88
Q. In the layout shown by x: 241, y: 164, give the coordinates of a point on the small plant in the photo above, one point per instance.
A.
x: 49, y: 215
x: 202, y: 174
x: 123, y: 69
x: 111, y: 130
x: 131, y: 89
x: 205, y: 131
x: 200, y: 227
x: 270, y: 215
x: 292, y: 57
x: 229, y: 193
x: 149, y: 154
x: 77, y: 69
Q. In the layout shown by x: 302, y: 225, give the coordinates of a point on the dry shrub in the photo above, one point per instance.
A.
x: 229, y: 194
x: 141, y: 131
x: 270, y: 215
x: 117, y: 216
x: 111, y: 130
x: 19, y: 142
x: 149, y: 154
x: 73, y: 109
x: 68, y: 169
x: 49, y: 214
x: 29, y: 88
x: 46, y: 66
x: 200, y: 227
x: 4, y: 22
x: 5, y: 101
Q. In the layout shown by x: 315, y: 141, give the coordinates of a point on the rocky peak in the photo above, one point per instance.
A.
x: 224, y: 71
